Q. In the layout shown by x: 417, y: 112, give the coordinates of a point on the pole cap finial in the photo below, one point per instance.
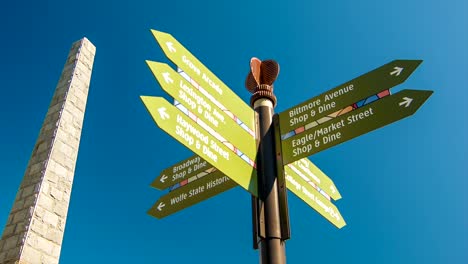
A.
x: 260, y: 79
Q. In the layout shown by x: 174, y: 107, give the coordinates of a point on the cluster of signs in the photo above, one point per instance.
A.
x: 214, y: 123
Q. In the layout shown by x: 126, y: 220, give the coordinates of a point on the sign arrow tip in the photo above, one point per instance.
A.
x: 163, y: 178
x: 161, y: 206
x: 170, y: 46
x: 397, y: 71
x: 167, y: 78
x: 406, y: 101
x: 162, y: 113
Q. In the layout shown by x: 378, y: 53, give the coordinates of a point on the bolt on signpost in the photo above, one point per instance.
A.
x: 263, y: 152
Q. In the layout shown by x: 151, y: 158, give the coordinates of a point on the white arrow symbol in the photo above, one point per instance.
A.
x: 167, y: 78
x: 333, y: 189
x: 170, y: 47
x: 397, y: 71
x: 406, y: 101
x: 163, y: 178
x: 162, y: 113
x: 160, y: 206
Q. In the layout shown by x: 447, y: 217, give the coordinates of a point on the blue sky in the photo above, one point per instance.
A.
x: 403, y: 186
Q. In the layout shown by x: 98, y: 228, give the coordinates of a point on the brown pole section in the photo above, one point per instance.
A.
x: 271, y: 245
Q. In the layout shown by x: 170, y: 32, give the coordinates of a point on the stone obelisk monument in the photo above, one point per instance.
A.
x: 35, y: 227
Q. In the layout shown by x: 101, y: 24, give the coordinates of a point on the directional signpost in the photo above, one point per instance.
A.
x: 309, y: 113
x: 312, y: 174
x: 181, y: 171
x: 355, y: 123
x: 302, y: 189
x: 194, y: 137
x: 190, y: 194
x: 214, y: 123
x: 202, y: 108
x: 220, y: 92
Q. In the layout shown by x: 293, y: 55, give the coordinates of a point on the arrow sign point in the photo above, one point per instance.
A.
x: 167, y: 78
x: 163, y: 178
x: 162, y: 113
x: 406, y: 101
x: 397, y: 71
x: 170, y: 46
x: 161, y: 206
x: 333, y: 189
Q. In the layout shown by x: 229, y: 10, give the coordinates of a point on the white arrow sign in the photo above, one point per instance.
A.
x: 397, y: 71
x: 163, y: 178
x: 406, y: 101
x: 160, y: 206
x: 162, y: 113
x: 167, y: 78
x: 170, y: 46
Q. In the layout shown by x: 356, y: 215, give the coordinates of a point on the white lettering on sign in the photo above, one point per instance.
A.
x: 305, y: 167
x: 330, y: 138
x: 328, y: 129
x: 311, y: 108
x: 293, y: 182
x: 339, y: 92
x: 313, y: 198
x: 216, y: 182
x: 304, y: 108
x: 219, y: 150
x: 198, y: 99
x: 191, y: 65
x: 181, y: 171
x: 196, y: 191
x: 212, y: 84
x: 354, y: 118
x: 178, y: 199
x: 190, y: 129
x: 186, y: 164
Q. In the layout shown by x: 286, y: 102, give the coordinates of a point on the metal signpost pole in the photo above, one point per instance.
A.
x: 271, y: 246
x: 270, y: 241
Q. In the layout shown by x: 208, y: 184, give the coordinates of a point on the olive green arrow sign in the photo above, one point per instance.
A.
x: 371, y: 83
x: 191, y: 167
x: 312, y: 197
x: 222, y: 126
x: 220, y: 92
x: 193, y: 136
x: 307, y: 170
x: 190, y: 194
x: 355, y: 123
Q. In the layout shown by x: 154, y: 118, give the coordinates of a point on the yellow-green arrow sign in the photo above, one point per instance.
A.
x: 193, y: 136
x: 312, y: 197
x: 227, y: 99
x: 305, y: 168
x: 355, y: 123
x: 181, y: 171
x: 190, y: 194
x: 371, y: 83
x: 222, y: 126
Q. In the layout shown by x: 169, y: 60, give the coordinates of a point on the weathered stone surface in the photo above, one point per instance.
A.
x: 36, y: 224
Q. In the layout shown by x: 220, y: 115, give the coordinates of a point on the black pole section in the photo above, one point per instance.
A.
x: 269, y: 210
x: 271, y: 245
